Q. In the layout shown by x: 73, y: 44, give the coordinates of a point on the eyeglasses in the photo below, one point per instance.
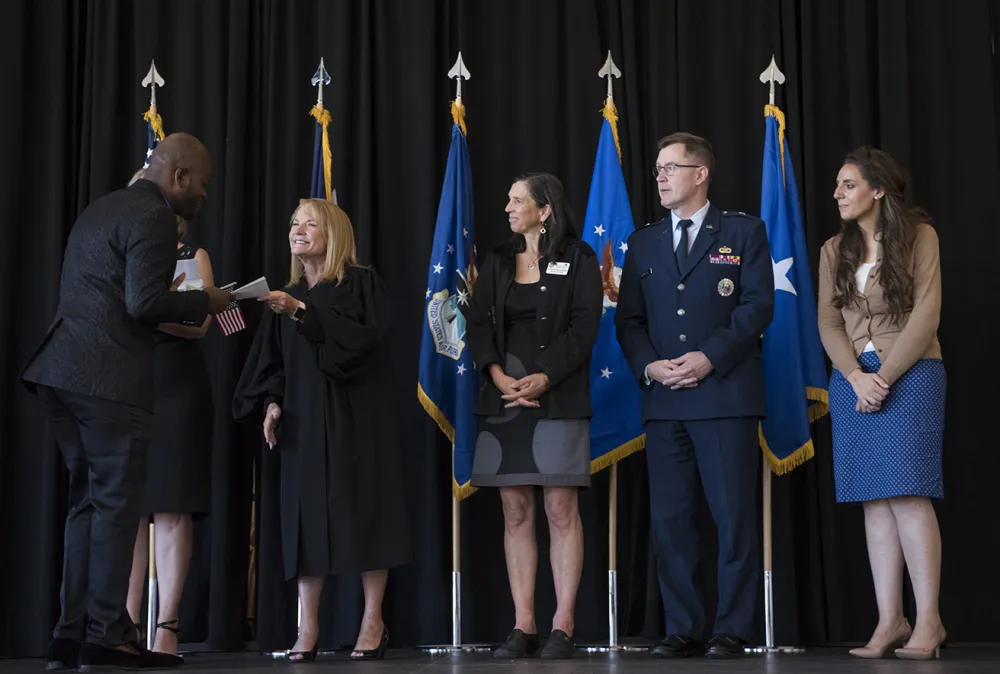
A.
x: 671, y: 168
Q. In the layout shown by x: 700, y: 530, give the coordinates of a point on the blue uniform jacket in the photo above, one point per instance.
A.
x: 719, y: 304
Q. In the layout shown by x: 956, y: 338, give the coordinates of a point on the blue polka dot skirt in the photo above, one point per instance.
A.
x: 897, y: 450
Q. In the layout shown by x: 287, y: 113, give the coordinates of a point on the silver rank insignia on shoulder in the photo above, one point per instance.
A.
x: 725, y: 250
x: 726, y: 287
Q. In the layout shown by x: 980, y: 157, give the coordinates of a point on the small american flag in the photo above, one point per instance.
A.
x: 231, y: 320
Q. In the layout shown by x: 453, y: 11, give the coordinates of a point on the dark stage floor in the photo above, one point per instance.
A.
x: 953, y: 660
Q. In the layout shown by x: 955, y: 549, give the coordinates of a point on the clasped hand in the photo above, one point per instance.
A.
x: 683, y: 372
x: 871, y: 390
x: 523, y: 392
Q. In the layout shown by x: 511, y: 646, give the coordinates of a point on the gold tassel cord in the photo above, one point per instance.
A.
x: 155, y: 121
x: 323, y: 118
x: 775, y: 111
x: 458, y: 116
x: 611, y: 114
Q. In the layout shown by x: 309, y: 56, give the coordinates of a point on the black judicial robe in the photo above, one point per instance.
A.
x: 342, y: 500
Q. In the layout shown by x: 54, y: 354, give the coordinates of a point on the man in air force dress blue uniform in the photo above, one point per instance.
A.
x: 697, y: 292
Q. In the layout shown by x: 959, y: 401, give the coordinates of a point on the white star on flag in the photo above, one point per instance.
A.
x: 599, y: 230
x: 606, y: 373
x: 463, y: 298
x: 623, y: 248
x: 461, y: 369
x: 428, y: 295
x: 465, y: 232
x: 438, y: 268
x: 781, y: 281
x: 451, y: 248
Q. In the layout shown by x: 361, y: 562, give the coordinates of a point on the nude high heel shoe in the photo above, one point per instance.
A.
x: 923, y: 653
x: 874, y: 652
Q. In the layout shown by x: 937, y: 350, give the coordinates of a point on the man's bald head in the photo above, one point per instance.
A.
x: 181, y: 167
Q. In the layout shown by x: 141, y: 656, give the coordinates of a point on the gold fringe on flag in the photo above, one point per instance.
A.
x: 322, y: 116
x: 461, y: 491
x: 819, y: 409
x: 617, y: 454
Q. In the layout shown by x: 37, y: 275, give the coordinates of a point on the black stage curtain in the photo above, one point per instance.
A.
x: 918, y: 78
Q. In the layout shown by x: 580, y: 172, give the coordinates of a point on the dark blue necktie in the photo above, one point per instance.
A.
x: 682, y: 248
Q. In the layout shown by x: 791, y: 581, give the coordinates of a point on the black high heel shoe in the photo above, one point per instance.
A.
x: 375, y: 653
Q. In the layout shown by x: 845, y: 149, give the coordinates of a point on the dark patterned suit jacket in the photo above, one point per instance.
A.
x: 114, y: 291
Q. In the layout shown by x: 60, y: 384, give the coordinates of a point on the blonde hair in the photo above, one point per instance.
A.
x: 341, y: 251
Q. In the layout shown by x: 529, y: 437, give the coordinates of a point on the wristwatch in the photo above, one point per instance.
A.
x: 300, y: 313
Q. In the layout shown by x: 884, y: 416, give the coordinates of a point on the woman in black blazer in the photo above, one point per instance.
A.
x: 533, y: 321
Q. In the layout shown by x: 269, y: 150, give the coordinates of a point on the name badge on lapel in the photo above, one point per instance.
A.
x: 557, y: 268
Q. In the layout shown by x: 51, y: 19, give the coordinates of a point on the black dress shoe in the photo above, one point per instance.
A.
x: 559, y: 646
x: 518, y: 645
x: 678, y: 646
x: 62, y: 654
x: 723, y: 646
x: 96, y: 658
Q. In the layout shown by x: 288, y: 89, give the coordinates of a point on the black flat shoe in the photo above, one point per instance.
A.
x: 518, y: 645
x: 62, y: 654
x: 374, y: 653
x: 96, y: 658
x: 725, y: 646
x: 559, y: 646
x: 678, y: 646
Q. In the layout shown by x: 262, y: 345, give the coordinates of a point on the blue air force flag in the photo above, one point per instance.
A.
x: 794, y: 370
x: 616, y: 428
x: 321, y: 186
x: 447, y: 385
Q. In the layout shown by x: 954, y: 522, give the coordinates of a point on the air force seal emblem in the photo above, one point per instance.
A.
x: 447, y: 324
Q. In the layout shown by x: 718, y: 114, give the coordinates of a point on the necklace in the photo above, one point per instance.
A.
x: 531, y: 265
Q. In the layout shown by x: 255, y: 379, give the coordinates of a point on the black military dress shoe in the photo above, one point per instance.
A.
x: 724, y: 646
x: 62, y: 654
x: 678, y: 646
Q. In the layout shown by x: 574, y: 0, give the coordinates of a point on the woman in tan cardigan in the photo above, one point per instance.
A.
x: 879, y: 308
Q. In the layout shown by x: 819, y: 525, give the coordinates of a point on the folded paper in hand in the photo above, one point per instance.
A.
x: 253, y: 290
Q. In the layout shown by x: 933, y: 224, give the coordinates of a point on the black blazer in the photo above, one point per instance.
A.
x: 114, y: 291
x: 567, y: 323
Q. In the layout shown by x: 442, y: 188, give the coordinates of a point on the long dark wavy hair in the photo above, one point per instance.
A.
x: 896, y: 231
x: 546, y: 190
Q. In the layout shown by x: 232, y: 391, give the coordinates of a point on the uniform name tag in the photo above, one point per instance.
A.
x: 557, y: 268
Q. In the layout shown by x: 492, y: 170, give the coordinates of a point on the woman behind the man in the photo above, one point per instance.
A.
x: 533, y: 321
x: 879, y: 309
x: 318, y: 377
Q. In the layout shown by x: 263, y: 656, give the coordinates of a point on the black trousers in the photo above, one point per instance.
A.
x: 722, y: 457
x: 104, y: 446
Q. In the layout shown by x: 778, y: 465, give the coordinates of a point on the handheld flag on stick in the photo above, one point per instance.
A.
x: 448, y: 382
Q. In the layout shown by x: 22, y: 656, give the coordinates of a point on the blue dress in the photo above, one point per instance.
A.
x: 897, y: 450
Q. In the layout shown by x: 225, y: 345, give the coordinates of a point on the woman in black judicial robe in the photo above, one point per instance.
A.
x: 318, y: 377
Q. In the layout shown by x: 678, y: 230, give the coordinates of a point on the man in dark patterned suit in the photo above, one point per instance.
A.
x: 697, y: 292
x: 94, y: 372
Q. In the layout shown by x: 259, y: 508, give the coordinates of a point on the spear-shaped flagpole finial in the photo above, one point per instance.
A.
x: 771, y: 75
x: 459, y: 72
x: 319, y: 78
x: 609, y: 70
x: 152, y: 80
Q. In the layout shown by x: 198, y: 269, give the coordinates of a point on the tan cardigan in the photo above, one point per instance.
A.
x: 845, y: 332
